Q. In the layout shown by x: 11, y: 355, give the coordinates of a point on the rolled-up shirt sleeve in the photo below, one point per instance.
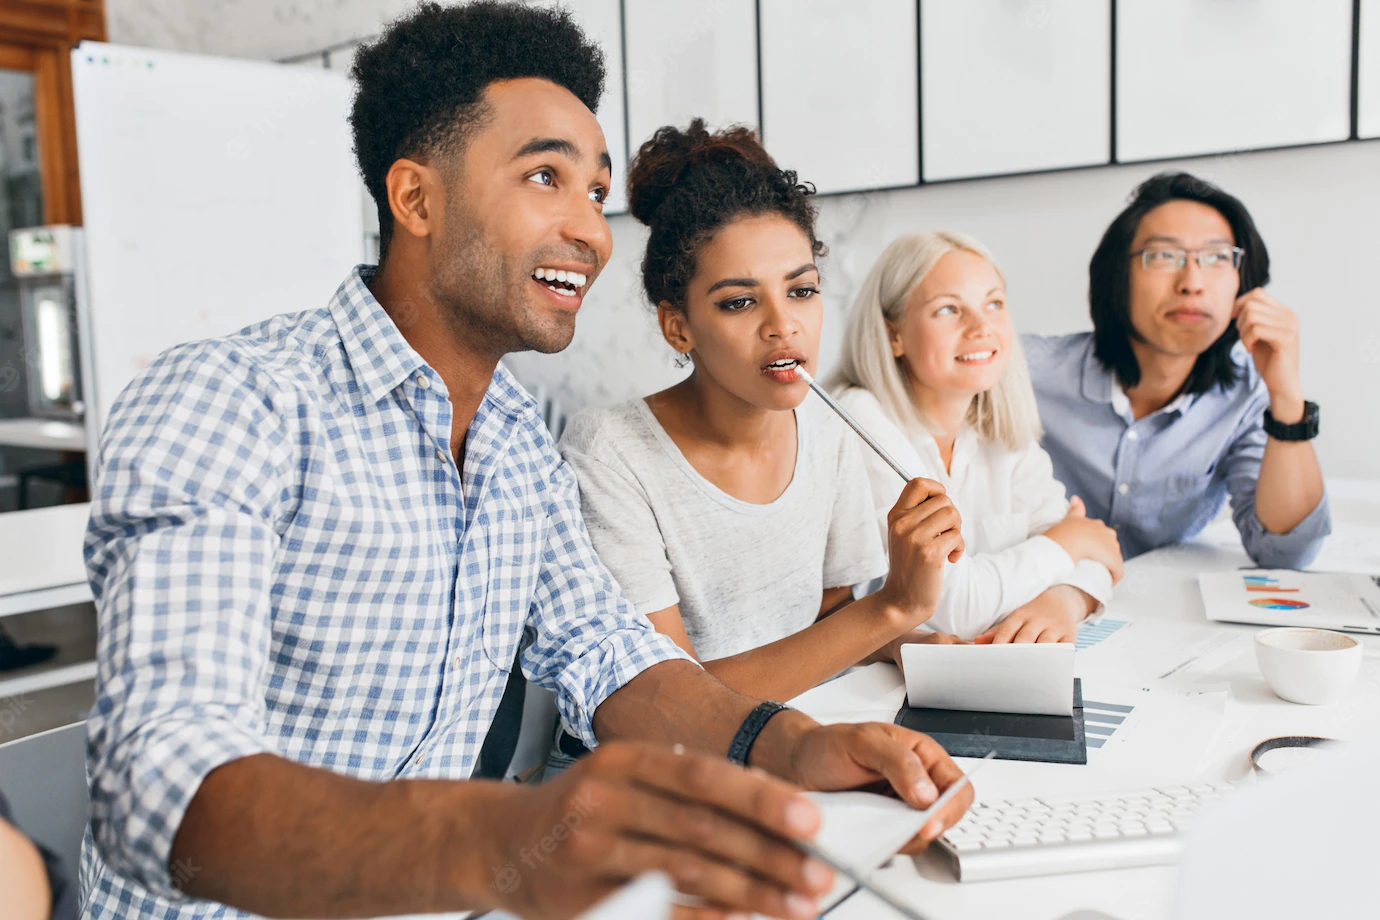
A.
x: 588, y: 640
x: 179, y: 551
x: 1292, y: 550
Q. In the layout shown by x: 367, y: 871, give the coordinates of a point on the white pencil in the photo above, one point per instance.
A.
x: 871, y: 442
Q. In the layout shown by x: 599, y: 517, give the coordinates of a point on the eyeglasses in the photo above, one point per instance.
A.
x: 1216, y: 258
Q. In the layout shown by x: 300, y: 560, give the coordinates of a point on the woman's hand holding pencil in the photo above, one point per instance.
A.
x: 923, y: 530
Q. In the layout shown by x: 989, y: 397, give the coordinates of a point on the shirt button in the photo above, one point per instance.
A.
x: 458, y: 662
x: 423, y: 382
x: 1133, y: 435
x: 1123, y: 489
x: 440, y: 455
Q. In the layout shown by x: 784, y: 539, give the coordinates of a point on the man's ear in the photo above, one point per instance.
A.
x: 674, y: 328
x: 414, y: 191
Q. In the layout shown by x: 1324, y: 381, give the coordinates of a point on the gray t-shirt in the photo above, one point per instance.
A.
x: 744, y: 575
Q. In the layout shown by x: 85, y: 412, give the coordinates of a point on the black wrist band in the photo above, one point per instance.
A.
x: 1306, y: 429
x: 752, y: 726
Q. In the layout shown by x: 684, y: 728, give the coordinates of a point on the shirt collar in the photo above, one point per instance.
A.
x: 382, y: 359
x: 378, y: 354
x: 1101, y: 386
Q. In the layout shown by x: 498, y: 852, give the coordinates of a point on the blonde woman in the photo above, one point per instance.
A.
x: 931, y: 366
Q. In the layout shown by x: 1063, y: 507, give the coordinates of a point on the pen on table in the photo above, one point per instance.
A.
x: 861, y: 880
x: 843, y: 414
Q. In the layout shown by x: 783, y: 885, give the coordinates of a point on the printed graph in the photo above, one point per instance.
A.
x: 1101, y: 721
x: 1278, y: 603
x: 1089, y: 634
x: 1264, y: 584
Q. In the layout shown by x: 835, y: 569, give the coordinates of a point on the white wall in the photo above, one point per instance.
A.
x: 1318, y: 209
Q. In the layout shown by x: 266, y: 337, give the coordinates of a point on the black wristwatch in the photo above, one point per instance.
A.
x: 1304, y: 430
x: 741, y: 746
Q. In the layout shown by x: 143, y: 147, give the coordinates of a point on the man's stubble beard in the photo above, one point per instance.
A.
x: 485, y: 299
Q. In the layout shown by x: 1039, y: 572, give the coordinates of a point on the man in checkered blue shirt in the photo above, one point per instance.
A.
x: 318, y: 546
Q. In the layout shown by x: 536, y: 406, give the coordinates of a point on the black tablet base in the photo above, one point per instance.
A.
x: 1050, y: 739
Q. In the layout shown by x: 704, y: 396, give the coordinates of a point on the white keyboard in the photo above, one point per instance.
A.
x: 1052, y: 835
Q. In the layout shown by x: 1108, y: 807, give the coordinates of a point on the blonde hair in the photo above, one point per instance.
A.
x: 1007, y: 413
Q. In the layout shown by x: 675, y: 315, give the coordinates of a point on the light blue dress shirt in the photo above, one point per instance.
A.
x: 1163, y: 478
x: 286, y: 559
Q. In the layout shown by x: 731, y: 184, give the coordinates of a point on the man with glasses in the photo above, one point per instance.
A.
x: 1187, y: 390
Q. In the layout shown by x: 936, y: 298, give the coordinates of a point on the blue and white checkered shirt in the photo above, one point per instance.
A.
x: 286, y: 559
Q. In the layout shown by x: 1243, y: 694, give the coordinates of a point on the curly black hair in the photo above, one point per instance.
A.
x: 419, y: 85
x: 687, y: 184
x: 1109, y: 280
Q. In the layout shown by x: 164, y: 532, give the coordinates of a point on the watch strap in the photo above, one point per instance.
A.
x: 1303, y: 430
x: 752, y: 726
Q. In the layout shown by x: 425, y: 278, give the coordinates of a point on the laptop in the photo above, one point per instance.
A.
x: 1282, y: 597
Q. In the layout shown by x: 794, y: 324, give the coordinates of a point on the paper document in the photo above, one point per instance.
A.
x: 1172, y: 655
x: 863, y: 831
x: 1155, y: 733
x: 1028, y: 679
x: 1267, y: 595
x: 867, y: 694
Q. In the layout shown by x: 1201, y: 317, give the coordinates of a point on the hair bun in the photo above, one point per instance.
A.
x: 670, y: 154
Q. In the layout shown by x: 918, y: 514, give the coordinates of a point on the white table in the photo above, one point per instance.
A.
x: 42, y: 434
x: 41, y: 567
x: 1160, y: 587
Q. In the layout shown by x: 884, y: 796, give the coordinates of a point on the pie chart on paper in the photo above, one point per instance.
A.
x: 1277, y: 603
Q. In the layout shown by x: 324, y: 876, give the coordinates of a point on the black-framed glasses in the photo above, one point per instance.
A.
x: 1173, y: 259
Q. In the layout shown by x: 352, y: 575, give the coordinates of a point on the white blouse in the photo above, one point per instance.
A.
x: 1007, y: 499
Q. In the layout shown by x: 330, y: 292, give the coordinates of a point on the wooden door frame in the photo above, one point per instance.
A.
x: 38, y: 36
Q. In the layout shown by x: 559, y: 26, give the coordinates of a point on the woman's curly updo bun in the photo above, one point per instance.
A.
x: 687, y: 184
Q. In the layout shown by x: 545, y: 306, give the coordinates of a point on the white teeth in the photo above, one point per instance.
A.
x: 976, y: 356
x: 564, y: 292
x: 786, y: 364
x: 578, y: 279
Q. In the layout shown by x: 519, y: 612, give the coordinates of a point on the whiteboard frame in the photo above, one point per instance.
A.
x: 100, y: 358
x: 1213, y: 150
x: 1114, y: 160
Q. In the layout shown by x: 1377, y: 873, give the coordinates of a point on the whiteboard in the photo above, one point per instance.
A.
x: 689, y: 58
x: 1368, y: 85
x: 1013, y: 86
x: 1208, y: 76
x: 840, y: 101
x: 215, y: 193
x: 602, y: 21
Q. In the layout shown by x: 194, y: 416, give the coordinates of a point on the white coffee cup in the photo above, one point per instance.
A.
x: 1311, y: 666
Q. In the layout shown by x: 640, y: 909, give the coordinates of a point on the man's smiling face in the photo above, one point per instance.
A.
x: 523, y: 235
